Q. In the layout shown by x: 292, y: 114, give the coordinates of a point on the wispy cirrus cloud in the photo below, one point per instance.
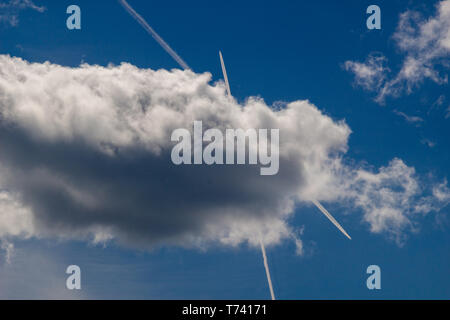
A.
x: 428, y: 142
x: 371, y: 74
x: 9, y: 11
x: 416, y: 120
x: 425, y: 44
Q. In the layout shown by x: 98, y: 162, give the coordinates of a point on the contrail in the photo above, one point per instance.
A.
x: 153, y: 33
x: 225, y: 74
x: 330, y: 217
x: 263, y: 249
x: 266, y: 266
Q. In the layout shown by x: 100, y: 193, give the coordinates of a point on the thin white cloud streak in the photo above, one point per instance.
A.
x: 224, y: 71
x: 153, y: 33
x: 22, y: 4
x: 330, y: 217
x: 428, y: 142
x: 266, y: 266
x: 411, y: 119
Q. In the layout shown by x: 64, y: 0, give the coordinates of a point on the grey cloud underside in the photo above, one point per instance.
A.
x: 142, y: 197
x: 83, y: 169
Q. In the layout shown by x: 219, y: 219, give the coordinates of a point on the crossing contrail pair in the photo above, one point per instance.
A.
x: 184, y: 65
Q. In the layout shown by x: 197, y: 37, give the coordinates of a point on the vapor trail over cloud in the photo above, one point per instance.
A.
x: 153, y: 33
x: 85, y: 154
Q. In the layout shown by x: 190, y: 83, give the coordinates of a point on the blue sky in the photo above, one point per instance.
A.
x: 280, y: 51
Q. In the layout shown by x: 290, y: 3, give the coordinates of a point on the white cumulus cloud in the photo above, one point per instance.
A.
x: 85, y: 154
